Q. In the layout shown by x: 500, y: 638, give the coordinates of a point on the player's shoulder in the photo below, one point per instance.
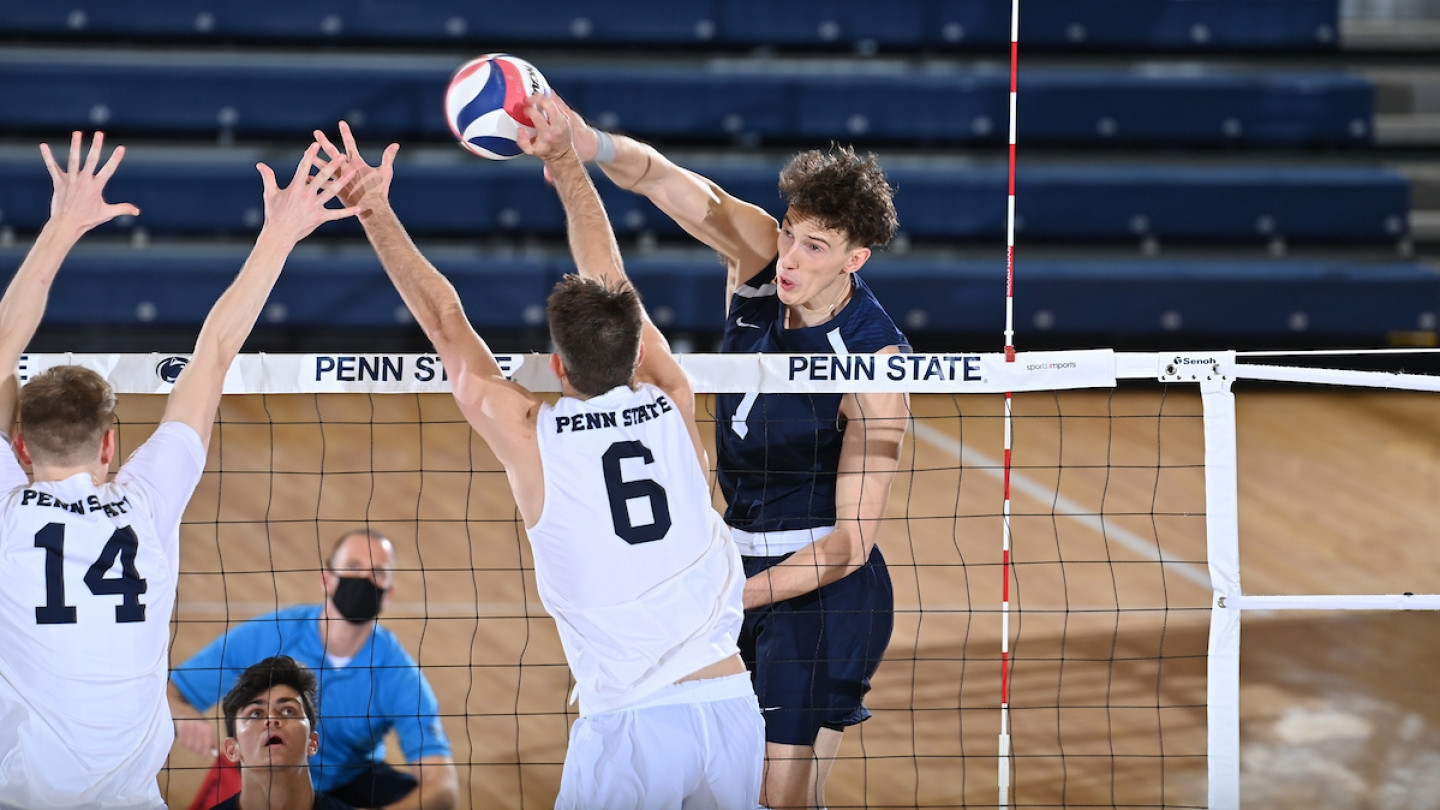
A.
x: 758, y: 287
x: 868, y: 327
x: 178, y: 435
x: 173, y: 445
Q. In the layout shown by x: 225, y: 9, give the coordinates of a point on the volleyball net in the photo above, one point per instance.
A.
x: 1103, y: 560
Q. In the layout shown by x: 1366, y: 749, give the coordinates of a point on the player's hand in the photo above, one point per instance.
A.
x: 583, y: 134
x: 299, y: 208
x: 78, y: 203
x: 198, y: 735
x: 370, y: 186
x: 554, y: 137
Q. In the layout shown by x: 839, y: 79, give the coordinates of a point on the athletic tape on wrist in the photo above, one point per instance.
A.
x: 604, y: 146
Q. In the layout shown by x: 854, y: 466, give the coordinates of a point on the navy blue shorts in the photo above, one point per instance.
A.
x: 811, y: 657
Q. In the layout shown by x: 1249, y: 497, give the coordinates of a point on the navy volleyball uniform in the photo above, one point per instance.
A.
x: 811, y: 657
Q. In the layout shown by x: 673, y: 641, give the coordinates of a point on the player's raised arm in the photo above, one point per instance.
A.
x: 291, y: 214
x: 592, y: 240
x: 492, y: 404
x: 77, y: 205
x: 743, y: 233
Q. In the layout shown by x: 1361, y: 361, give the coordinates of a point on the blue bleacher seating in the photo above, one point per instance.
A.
x: 866, y: 102
x: 1073, y: 25
x: 1132, y: 298
x: 469, y: 197
x: 735, y: 90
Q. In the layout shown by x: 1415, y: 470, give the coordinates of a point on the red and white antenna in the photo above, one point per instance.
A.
x: 1005, y: 753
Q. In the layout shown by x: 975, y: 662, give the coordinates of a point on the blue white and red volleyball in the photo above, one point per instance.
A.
x: 485, y: 103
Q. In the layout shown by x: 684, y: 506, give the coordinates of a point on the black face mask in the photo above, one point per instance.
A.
x: 357, y: 599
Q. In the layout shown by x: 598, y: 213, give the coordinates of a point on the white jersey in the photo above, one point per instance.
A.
x: 90, y: 577
x: 631, y: 559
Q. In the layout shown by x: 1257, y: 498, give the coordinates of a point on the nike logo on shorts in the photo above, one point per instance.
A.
x: 740, y: 321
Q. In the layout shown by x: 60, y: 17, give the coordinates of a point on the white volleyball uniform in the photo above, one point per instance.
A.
x: 644, y: 583
x: 90, y: 578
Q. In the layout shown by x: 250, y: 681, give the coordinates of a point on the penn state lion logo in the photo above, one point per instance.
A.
x: 169, y: 369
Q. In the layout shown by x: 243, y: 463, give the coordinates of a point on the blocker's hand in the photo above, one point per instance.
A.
x: 299, y: 208
x: 582, y: 134
x: 370, y: 185
x: 78, y: 203
x: 554, y: 137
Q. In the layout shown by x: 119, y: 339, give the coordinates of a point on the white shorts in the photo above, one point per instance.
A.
x: 697, y: 745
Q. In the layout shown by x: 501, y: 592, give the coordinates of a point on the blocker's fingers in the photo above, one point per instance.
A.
x: 332, y: 214
x: 329, y: 190
x: 111, y: 165
x: 540, y: 102
x: 387, y: 160
x: 329, y: 169
x: 302, y: 169
x: 331, y: 151
x: 73, y: 164
x: 50, y: 164
x: 347, y: 137
x: 93, y: 158
x: 267, y: 177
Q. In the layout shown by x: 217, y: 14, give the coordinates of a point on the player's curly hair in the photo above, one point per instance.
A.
x: 596, y: 330
x: 64, y: 413
x: 844, y: 192
x: 277, y: 670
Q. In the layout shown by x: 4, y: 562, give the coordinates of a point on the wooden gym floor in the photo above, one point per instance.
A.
x: 1340, y: 493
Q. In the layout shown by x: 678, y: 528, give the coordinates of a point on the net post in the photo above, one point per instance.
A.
x: 1223, y: 551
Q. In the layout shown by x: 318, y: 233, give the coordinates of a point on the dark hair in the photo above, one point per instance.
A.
x: 844, y: 192
x: 278, y: 670
x: 64, y: 413
x: 596, y: 330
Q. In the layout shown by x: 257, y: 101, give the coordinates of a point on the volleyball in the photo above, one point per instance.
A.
x: 485, y: 103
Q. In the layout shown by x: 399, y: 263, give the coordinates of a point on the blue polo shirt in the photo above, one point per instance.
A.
x: 379, y: 689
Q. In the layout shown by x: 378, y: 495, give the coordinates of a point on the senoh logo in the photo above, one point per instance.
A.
x: 169, y: 369
x: 1194, y: 361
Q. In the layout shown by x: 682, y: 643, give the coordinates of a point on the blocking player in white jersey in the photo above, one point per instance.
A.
x: 637, y: 568
x: 90, y: 565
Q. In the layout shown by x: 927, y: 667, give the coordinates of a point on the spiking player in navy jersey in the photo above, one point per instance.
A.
x: 795, y: 439
x: 806, y: 477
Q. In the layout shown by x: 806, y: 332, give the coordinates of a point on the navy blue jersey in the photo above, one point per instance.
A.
x: 777, y: 454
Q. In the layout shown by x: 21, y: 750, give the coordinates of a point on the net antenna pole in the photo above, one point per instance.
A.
x: 1005, y: 753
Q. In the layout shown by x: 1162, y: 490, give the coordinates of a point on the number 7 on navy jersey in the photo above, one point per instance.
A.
x: 128, y: 586
x: 621, y: 492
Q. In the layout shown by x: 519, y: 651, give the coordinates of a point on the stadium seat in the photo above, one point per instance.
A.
x: 1280, y: 299
x: 1072, y: 25
x: 466, y: 197
x: 1274, y: 299
x: 879, y: 103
